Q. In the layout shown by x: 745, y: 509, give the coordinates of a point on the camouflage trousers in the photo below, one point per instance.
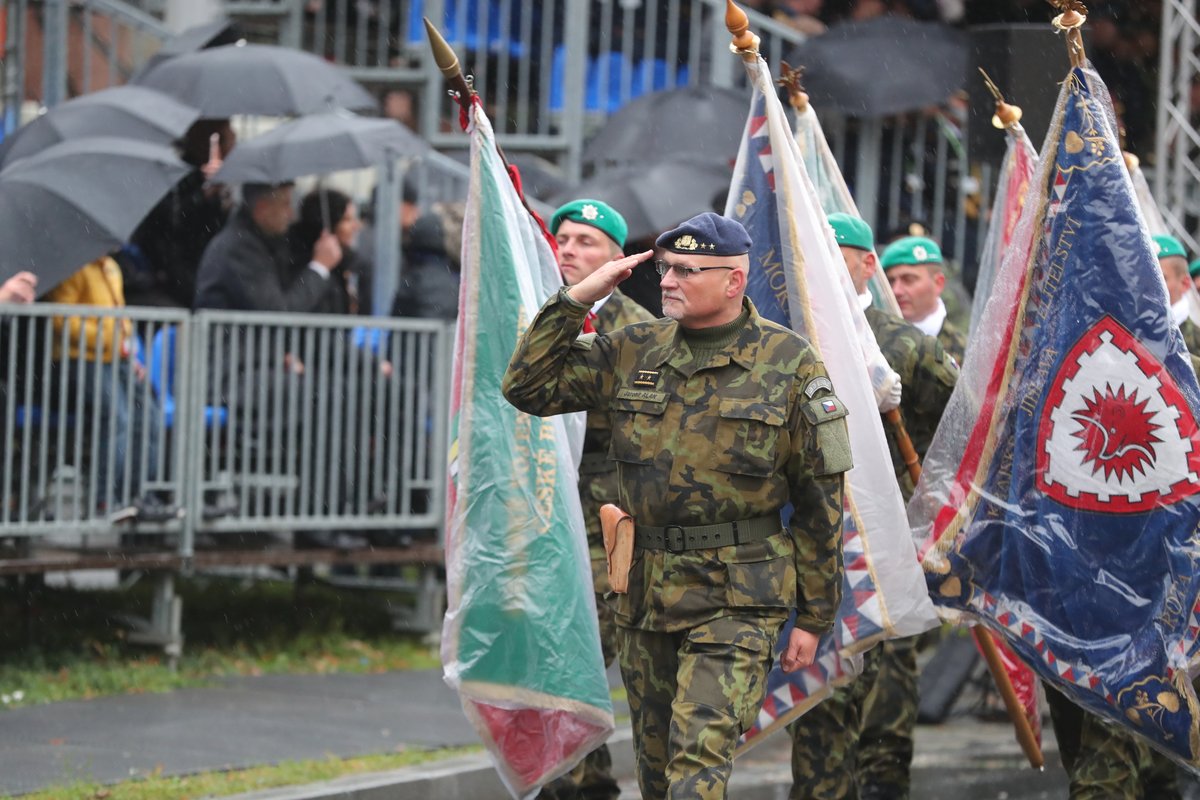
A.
x: 825, y: 740
x: 691, y: 694
x: 885, y: 745
x: 1105, y: 762
x: 592, y: 778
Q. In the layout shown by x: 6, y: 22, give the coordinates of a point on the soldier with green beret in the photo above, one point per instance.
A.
x: 590, y: 233
x: 858, y: 742
x: 1172, y: 257
x: 913, y: 266
x: 719, y: 419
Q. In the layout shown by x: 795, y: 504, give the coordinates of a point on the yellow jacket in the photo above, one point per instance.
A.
x: 96, y: 284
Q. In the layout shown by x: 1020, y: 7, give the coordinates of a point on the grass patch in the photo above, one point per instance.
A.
x: 223, y: 784
x: 62, y: 644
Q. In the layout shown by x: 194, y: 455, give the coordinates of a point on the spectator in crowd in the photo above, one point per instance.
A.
x: 99, y: 364
x: 163, y: 256
x: 429, y: 278
x: 247, y: 266
x: 20, y: 288
x: 803, y: 15
x: 329, y: 209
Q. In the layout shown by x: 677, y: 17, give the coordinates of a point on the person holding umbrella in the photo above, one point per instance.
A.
x: 329, y: 209
x: 20, y: 288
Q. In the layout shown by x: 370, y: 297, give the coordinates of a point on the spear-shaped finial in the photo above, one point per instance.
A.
x: 1006, y: 115
x: 447, y: 61
x: 789, y: 79
x: 738, y: 25
x: 1074, y: 14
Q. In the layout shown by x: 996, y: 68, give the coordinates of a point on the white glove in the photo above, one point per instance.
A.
x: 889, y: 395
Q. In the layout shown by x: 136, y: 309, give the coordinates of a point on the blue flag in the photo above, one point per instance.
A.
x: 1061, y: 498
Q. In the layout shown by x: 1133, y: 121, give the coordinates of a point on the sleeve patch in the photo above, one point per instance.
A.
x: 816, y: 385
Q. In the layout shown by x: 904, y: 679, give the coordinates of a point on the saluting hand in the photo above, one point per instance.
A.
x: 800, y: 652
x: 602, y: 282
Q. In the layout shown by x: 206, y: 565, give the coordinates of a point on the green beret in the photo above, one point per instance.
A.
x: 1194, y: 269
x: 1169, y: 246
x: 597, y: 213
x: 852, y: 231
x: 910, y: 251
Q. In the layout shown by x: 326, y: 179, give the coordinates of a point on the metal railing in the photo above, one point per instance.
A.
x: 219, y: 421
x: 1177, y: 140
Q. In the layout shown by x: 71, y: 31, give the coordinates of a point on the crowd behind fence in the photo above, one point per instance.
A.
x: 219, y: 422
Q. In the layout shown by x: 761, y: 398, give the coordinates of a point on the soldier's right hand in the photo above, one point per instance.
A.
x: 601, y: 283
x: 800, y: 651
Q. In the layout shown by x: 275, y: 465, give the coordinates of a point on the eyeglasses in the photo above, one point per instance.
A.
x: 681, y: 271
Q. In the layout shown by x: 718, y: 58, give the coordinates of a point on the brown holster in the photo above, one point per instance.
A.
x: 618, y: 545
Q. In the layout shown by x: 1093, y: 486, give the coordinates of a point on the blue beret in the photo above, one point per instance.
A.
x: 707, y: 234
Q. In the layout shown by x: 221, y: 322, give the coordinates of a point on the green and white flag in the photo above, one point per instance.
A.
x: 521, y: 643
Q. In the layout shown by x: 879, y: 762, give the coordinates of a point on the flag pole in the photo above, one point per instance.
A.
x: 789, y: 79
x: 1007, y: 116
x: 745, y: 43
x: 1025, y: 736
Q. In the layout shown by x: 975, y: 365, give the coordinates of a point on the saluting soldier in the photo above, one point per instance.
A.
x: 838, y: 751
x: 720, y: 418
x: 591, y: 233
x: 915, y: 269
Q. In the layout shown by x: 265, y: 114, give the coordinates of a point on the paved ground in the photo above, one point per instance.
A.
x: 248, y: 721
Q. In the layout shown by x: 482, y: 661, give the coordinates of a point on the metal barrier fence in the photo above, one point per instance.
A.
x: 219, y: 422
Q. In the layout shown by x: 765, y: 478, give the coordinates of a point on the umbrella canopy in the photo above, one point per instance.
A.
x: 317, y: 144
x: 131, y: 112
x: 905, y: 65
x: 256, y: 79
x: 76, y: 201
x: 654, y: 197
x: 198, y: 37
x: 705, y: 122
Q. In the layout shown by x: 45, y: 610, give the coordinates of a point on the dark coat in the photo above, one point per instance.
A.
x: 242, y: 269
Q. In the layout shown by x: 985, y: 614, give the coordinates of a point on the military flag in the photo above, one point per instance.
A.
x: 521, y: 642
x: 1012, y: 188
x: 797, y: 278
x: 1060, y: 503
x: 832, y: 191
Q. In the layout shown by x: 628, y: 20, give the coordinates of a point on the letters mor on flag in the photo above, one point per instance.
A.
x: 1070, y: 525
x: 797, y: 279
x: 520, y: 644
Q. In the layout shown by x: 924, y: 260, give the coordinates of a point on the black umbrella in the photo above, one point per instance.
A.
x: 198, y: 37
x: 131, y: 112
x: 887, y: 65
x: 317, y: 144
x: 655, y: 197
x: 702, y: 122
x: 256, y: 79
x: 76, y: 201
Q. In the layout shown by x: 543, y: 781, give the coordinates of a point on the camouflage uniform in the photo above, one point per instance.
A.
x: 1105, y: 762
x: 598, y: 485
x: 726, y: 437
x: 861, y: 736
x: 953, y: 340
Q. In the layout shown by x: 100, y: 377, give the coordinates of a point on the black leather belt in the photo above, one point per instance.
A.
x: 677, y: 538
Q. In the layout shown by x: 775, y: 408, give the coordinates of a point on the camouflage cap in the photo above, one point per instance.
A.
x: 909, y: 251
x: 1169, y: 246
x: 597, y: 213
x: 707, y: 234
x: 852, y: 231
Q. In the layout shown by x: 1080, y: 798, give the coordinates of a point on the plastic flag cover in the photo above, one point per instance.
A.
x: 1061, y: 495
x: 521, y: 643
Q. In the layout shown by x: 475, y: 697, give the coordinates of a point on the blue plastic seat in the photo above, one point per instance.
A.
x: 161, y: 374
x: 464, y: 28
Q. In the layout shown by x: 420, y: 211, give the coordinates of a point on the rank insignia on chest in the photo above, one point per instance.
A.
x: 646, y: 377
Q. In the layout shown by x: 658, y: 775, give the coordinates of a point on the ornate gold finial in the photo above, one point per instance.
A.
x: 1070, y: 21
x: 738, y: 25
x: 789, y: 79
x: 1006, y: 115
x: 1131, y: 161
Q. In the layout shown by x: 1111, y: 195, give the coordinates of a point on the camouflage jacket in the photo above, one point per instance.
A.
x: 953, y: 340
x: 738, y: 436
x: 598, y: 472
x: 927, y: 375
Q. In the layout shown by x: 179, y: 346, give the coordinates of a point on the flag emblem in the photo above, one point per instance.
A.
x: 829, y: 406
x: 1116, y: 432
